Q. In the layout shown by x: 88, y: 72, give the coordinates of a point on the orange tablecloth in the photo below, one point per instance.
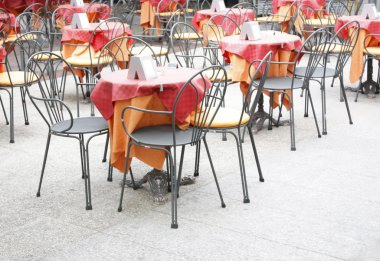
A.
x: 114, y: 91
x: 3, y: 53
x: 240, y: 53
x: 366, y: 27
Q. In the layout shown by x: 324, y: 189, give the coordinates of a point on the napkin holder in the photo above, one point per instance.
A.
x: 218, y: 6
x: 80, y: 21
x: 142, y: 67
x: 250, y: 31
x: 77, y: 2
x: 369, y: 11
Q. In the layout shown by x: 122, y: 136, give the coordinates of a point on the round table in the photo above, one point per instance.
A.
x: 114, y: 91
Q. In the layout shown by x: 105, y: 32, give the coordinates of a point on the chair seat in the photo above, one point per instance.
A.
x: 17, y: 77
x: 225, y: 118
x: 81, y: 125
x: 282, y: 83
x: 162, y: 135
x: 45, y: 57
x: 372, y: 50
x: 12, y: 37
x: 187, y: 36
x: 86, y: 61
x: 219, y: 76
x: 157, y: 50
x: 272, y: 18
x: 320, y: 22
x: 318, y: 73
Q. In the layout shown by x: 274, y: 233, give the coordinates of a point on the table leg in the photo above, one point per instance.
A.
x: 370, y: 87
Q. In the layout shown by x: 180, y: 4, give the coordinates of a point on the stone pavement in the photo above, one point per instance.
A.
x: 321, y: 202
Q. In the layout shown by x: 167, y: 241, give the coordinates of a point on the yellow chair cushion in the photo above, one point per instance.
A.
x: 219, y: 76
x: 157, y: 50
x: 187, y: 36
x: 12, y: 37
x: 320, y: 22
x: 17, y: 77
x: 86, y: 61
x: 272, y: 18
x: 45, y: 57
x: 225, y: 118
x: 372, y: 50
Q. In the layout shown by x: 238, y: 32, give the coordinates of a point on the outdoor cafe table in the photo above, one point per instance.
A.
x: 114, y: 91
x: 17, y: 6
x: 366, y: 27
x: 240, y: 16
x: 149, y: 10
x: 240, y: 53
x: 94, y: 11
x: 75, y: 41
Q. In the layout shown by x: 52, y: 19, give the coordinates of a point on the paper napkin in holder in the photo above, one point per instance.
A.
x: 369, y: 11
x: 250, y: 31
x: 142, y: 67
x: 218, y: 5
x: 80, y: 21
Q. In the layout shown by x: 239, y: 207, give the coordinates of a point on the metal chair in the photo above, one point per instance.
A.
x: 241, y: 14
x: 340, y: 49
x: 57, y: 115
x: 60, y: 18
x: 314, y: 46
x: 14, y: 63
x: 163, y: 136
x: 100, y: 13
x: 232, y: 121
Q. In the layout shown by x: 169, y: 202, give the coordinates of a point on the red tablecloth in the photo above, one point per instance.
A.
x: 3, y: 17
x: 115, y: 86
x: 256, y: 50
x: 17, y: 6
x: 372, y: 26
x: 238, y: 15
x: 316, y: 4
x: 101, y: 36
x: 3, y: 53
x: 102, y: 10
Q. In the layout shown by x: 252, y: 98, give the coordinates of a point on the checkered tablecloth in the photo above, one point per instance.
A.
x: 102, y: 35
x: 371, y: 26
x: 4, y: 17
x: 103, y: 11
x: 17, y: 6
x: 115, y: 86
x: 256, y: 50
x: 238, y: 15
x: 316, y: 4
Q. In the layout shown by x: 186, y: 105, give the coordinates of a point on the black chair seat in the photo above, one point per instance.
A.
x: 282, y: 83
x: 148, y: 135
x: 318, y: 73
x: 81, y: 125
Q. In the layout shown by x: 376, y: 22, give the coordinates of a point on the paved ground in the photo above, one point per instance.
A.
x: 321, y: 202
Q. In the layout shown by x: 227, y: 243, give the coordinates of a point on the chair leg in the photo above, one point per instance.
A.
x: 25, y: 110
x: 180, y: 168
x: 332, y: 82
x: 87, y: 177
x: 261, y: 178
x: 44, y: 164
x: 110, y: 172
x: 324, y: 111
x: 5, y: 113
x: 12, y: 125
x: 172, y: 161
x: 242, y: 169
x: 314, y: 114
x: 345, y: 98
x: 81, y: 148
x: 213, y: 172
x: 361, y: 80
x: 292, y: 129
x: 106, y: 148
x: 271, y: 98
x: 306, y: 114
x: 124, y: 178
x: 168, y: 167
x: 197, y: 157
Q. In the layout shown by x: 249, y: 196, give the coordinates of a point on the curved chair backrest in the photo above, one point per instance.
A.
x: 264, y: 8
x: 344, y: 45
x: 260, y: 70
x: 302, y: 22
x: 219, y: 26
x: 51, y: 5
x: 187, y: 44
x: 194, y: 93
x: 206, y: 4
x: 48, y: 100
x: 118, y: 51
x: 337, y: 8
x: 243, y: 12
x: 36, y: 8
x: 5, y: 24
x: 60, y: 18
x: 354, y: 6
x: 169, y: 13
x: 125, y: 11
x: 28, y: 22
x: 25, y: 45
